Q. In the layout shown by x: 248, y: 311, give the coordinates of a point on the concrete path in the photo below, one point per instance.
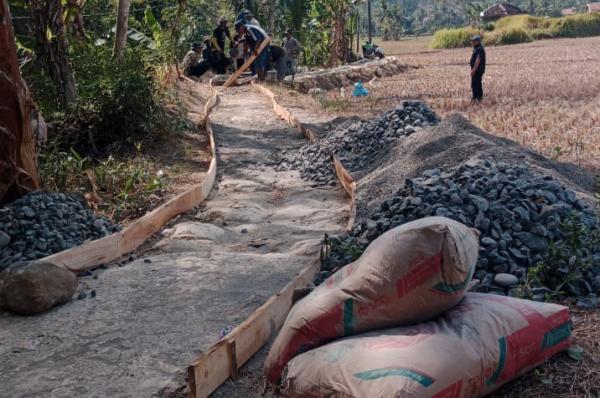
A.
x: 151, y: 317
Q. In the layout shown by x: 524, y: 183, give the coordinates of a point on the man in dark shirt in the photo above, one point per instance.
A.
x: 477, y: 68
x: 278, y: 58
x: 220, y: 34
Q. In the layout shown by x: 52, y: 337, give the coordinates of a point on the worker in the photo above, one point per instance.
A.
x: 372, y: 51
x: 477, y: 68
x: 292, y: 49
x: 220, y: 34
x: 254, y: 37
x: 277, y: 56
x: 191, y: 62
x: 236, y: 51
x: 247, y: 18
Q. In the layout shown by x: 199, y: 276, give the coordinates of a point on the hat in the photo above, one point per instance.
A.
x: 476, y: 38
x: 206, y: 39
x: 196, y: 45
x: 222, y: 19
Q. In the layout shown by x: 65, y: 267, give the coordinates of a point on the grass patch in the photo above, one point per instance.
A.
x: 521, y: 29
x: 453, y: 38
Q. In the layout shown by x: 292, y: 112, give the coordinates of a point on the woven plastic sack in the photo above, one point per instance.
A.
x: 410, y: 274
x: 482, y: 343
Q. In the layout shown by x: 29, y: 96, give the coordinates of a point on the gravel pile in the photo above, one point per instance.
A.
x: 358, y: 145
x: 41, y: 224
x: 525, y: 220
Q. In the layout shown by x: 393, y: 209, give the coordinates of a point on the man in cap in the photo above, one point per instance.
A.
x: 247, y: 18
x: 477, y: 68
x: 254, y: 37
x: 220, y: 34
x: 292, y: 49
x: 191, y: 64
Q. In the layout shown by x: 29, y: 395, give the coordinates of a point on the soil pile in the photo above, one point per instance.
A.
x: 357, y: 143
x: 536, y: 232
x: 40, y: 224
x: 363, y: 70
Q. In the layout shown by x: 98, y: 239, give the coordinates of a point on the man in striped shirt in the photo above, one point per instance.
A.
x: 255, y: 36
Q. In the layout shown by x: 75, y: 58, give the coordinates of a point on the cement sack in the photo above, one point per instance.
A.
x: 473, y: 349
x: 410, y: 274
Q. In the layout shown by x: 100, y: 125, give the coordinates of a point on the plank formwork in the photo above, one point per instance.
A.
x: 110, y: 248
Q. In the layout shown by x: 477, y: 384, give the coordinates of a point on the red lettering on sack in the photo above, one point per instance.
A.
x: 422, y: 271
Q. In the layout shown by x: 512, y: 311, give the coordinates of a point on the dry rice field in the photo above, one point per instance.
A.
x: 544, y: 95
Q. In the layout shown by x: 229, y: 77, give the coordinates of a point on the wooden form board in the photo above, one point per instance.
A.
x: 286, y: 115
x: 349, y: 185
x: 247, y: 64
x: 94, y: 253
x: 222, y: 360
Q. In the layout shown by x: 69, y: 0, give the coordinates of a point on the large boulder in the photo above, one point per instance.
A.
x: 34, y: 287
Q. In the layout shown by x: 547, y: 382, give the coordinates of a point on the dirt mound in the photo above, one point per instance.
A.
x: 328, y: 79
x: 445, y: 146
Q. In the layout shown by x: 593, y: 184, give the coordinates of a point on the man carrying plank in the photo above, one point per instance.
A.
x: 254, y: 36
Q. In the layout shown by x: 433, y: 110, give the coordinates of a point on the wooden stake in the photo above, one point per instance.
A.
x: 247, y: 64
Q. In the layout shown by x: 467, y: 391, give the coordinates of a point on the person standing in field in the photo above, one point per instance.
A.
x: 477, y: 69
x: 254, y: 37
x: 292, y: 50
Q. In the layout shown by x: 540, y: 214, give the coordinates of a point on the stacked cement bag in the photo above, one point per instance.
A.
x: 410, y: 274
x: 470, y: 351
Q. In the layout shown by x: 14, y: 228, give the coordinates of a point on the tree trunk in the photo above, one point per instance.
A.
x: 271, y: 21
x: 338, y: 40
x: 18, y: 166
x: 53, y: 48
x: 121, y: 35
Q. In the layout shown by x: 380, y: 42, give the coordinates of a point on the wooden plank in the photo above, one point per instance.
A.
x: 247, y: 64
x: 211, y: 369
x: 349, y: 186
x: 287, y: 115
x: 92, y: 254
x: 343, y: 175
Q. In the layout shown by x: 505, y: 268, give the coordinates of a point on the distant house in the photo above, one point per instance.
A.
x: 593, y: 7
x: 500, y: 10
x: 568, y: 11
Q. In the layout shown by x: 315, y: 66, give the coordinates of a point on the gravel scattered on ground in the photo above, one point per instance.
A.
x: 358, y: 144
x: 535, y: 233
x: 40, y: 224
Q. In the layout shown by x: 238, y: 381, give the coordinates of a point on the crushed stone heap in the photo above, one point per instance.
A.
x: 358, y: 144
x: 534, y: 231
x: 40, y: 224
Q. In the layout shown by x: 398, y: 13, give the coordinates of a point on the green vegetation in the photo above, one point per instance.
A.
x: 522, y: 29
x: 566, y: 262
x: 453, y: 38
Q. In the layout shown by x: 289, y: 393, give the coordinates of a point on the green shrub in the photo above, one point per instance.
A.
x: 118, y: 101
x: 523, y: 29
x: 508, y: 36
x: 453, y: 38
x: 580, y: 25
